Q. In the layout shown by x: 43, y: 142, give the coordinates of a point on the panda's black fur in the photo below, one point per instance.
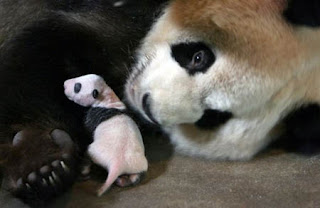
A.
x: 303, y: 12
x: 302, y: 131
x: 303, y: 125
x: 43, y: 43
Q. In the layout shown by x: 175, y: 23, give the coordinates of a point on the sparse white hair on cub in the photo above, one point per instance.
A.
x: 117, y: 145
x: 263, y: 68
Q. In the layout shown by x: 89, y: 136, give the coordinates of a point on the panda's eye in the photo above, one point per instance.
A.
x: 195, y: 57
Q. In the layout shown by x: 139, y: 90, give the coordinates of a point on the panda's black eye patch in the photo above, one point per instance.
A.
x: 301, y: 12
x: 95, y: 93
x: 195, y: 57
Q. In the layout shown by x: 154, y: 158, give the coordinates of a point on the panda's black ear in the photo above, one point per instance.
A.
x: 303, y: 12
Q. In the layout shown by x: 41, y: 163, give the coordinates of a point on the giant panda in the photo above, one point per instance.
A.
x: 42, y: 44
x: 224, y: 78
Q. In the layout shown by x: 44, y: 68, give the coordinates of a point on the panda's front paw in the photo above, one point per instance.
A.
x: 39, y: 186
x: 40, y: 166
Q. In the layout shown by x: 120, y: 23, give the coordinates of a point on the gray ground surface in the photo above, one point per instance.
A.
x: 273, y: 179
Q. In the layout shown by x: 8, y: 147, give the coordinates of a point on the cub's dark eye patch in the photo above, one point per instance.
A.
x: 77, y: 87
x: 194, y: 57
x: 95, y: 93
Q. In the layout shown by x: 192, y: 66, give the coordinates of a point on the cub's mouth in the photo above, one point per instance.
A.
x: 213, y: 118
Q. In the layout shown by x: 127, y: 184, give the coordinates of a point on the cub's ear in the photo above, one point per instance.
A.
x: 303, y: 12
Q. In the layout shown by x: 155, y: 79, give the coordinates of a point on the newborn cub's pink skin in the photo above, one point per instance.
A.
x: 117, y: 145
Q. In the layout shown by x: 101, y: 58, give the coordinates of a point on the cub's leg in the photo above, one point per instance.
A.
x: 130, y: 179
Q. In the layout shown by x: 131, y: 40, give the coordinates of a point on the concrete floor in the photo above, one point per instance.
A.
x: 275, y: 178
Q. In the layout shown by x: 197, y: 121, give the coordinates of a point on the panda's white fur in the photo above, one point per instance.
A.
x: 264, y: 69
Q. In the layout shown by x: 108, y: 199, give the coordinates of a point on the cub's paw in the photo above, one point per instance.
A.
x: 130, y: 180
x: 41, y: 165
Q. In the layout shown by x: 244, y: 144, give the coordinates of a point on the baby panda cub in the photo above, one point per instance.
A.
x: 117, y: 143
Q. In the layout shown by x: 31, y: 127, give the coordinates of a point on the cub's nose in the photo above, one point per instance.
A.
x: 146, y: 102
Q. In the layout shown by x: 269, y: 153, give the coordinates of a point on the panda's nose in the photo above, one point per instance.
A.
x: 146, y: 103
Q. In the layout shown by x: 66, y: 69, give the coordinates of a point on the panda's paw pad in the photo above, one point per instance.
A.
x: 46, y: 182
x: 62, y: 139
x: 45, y: 175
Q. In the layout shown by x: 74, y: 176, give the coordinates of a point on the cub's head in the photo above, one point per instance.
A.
x: 231, y: 58
x: 84, y: 90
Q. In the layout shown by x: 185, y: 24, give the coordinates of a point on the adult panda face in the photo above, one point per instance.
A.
x: 238, y: 58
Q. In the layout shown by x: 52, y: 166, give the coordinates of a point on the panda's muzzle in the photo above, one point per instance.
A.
x: 146, y: 108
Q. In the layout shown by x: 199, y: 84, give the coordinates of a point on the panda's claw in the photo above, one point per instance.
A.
x: 64, y: 166
x: 28, y: 186
x: 44, y: 182
x: 54, y: 176
x: 42, y: 176
x: 52, y: 181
